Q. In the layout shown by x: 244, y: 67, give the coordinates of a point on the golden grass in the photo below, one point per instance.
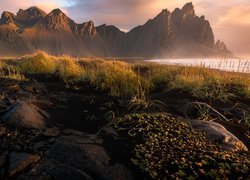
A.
x: 40, y: 63
x: 201, y: 82
x: 116, y: 77
x: 10, y: 72
x: 135, y: 80
x: 69, y: 70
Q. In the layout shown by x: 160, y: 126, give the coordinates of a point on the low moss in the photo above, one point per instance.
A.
x: 165, y: 147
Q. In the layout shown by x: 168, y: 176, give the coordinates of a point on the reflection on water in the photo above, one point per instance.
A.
x: 233, y: 65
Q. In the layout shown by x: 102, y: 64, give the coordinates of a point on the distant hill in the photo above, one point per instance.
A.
x: 178, y: 34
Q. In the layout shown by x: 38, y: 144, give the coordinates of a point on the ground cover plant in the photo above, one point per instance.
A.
x: 165, y: 147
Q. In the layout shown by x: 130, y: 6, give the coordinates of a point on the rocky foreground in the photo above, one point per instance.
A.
x: 32, y: 146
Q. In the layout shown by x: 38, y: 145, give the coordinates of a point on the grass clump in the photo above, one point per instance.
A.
x: 41, y: 64
x: 117, y: 78
x: 200, y: 82
x: 165, y: 147
x: 121, y: 79
x: 10, y: 72
x: 69, y: 70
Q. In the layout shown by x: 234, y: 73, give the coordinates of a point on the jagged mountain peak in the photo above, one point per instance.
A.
x: 7, y: 18
x: 221, y: 48
x: 178, y: 34
x: 32, y: 12
x: 87, y: 28
x: 58, y: 20
x: 57, y: 12
x: 163, y: 14
x: 188, y: 9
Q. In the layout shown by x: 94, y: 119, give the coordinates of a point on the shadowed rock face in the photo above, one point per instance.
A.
x: 178, y: 34
x: 7, y: 18
x: 30, y: 13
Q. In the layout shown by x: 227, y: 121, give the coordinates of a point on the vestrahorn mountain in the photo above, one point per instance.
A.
x: 178, y: 34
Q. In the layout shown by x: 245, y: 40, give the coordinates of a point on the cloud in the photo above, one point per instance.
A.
x: 233, y: 27
x: 123, y: 13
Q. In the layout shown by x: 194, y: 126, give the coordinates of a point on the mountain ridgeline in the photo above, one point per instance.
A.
x: 169, y: 35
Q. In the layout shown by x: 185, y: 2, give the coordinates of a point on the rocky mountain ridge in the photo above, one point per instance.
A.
x: 178, y: 34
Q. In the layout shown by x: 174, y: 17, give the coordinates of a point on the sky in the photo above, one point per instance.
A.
x: 230, y: 19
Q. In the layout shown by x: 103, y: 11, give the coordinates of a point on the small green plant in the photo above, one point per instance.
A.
x: 165, y: 147
x: 244, y: 112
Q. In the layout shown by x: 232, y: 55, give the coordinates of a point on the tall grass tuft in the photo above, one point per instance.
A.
x: 40, y: 63
x: 118, y: 78
x: 69, y: 70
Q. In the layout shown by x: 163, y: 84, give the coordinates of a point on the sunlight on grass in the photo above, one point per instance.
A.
x: 40, y: 63
x: 69, y: 70
x: 116, y: 77
x: 138, y: 80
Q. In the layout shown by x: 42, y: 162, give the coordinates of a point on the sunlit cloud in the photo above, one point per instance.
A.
x: 239, y: 15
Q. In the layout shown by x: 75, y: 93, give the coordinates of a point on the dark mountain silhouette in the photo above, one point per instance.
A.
x: 178, y: 34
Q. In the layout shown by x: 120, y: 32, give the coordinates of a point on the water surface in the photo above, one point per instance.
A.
x: 232, y: 65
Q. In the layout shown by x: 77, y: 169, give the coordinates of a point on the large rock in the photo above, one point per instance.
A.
x: 216, y: 133
x: 34, y: 87
x: 24, y: 115
x: 20, y: 161
x: 80, y: 157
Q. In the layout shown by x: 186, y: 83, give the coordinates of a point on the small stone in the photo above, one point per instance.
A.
x: 3, y: 105
x: 2, y: 161
x: 39, y: 145
x: 20, y: 161
x: 16, y: 147
x: 201, y: 171
x: 102, y: 108
x: 51, y: 132
x: 198, y: 164
x: 10, y: 101
x: 3, y: 131
x: 73, y: 132
x: 52, y: 140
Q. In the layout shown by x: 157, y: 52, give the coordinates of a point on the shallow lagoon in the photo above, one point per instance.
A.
x: 232, y: 65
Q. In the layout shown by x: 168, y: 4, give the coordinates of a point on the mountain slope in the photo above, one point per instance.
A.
x: 178, y: 34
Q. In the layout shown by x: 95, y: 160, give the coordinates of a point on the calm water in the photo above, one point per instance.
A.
x: 233, y: 65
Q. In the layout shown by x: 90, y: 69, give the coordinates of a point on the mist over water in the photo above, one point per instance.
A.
x: 232, y: 65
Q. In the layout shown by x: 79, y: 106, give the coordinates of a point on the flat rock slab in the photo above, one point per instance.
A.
x: 51, y: 132
x: 79, y: 157
x: 24, y: 115
x: 21, y: 161
x: 34, y: 87
x: 216, y: 133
